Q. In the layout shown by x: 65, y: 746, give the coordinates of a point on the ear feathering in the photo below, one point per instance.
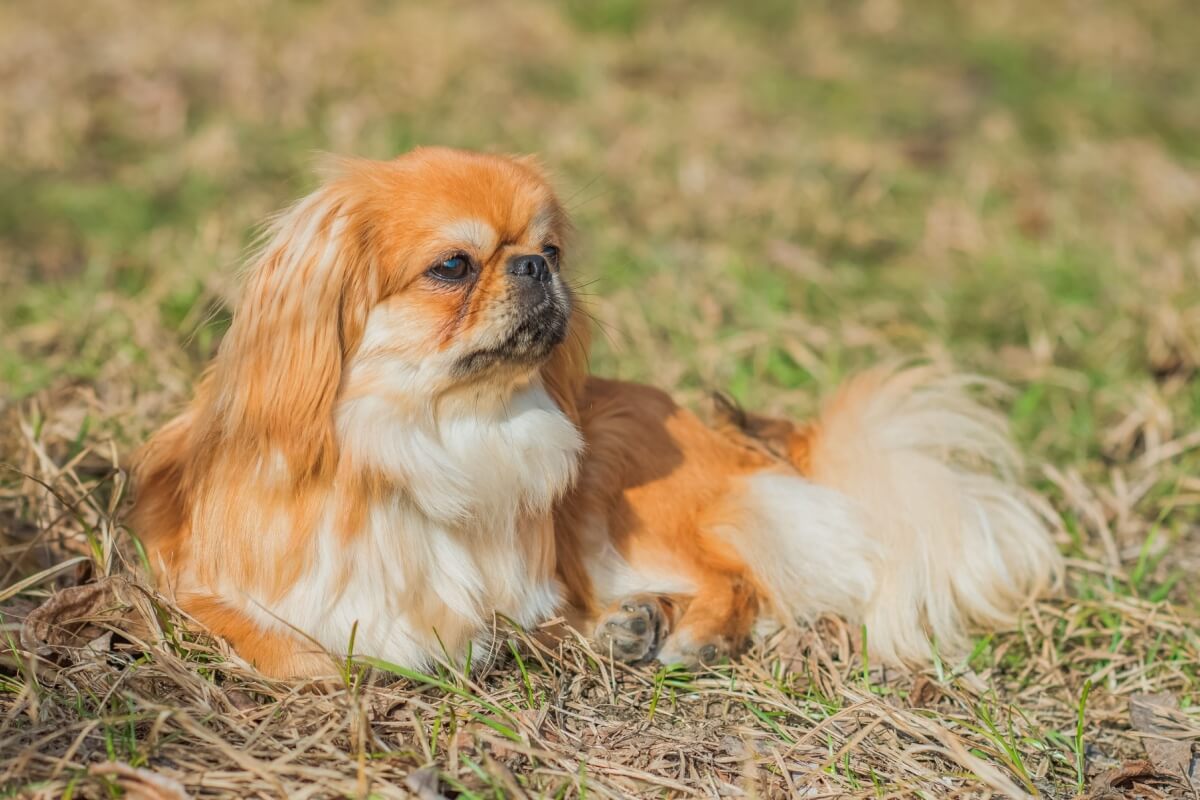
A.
x: 269, y: 393
x: 304, y: 306
x: 276, y: 374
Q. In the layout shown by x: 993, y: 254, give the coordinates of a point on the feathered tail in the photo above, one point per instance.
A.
x: 932, y: 477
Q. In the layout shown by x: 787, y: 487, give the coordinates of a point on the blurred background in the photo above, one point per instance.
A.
x: 768, y: 194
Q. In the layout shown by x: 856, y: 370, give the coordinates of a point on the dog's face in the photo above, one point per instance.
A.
x: 407, y: 281
x: 469, y: 249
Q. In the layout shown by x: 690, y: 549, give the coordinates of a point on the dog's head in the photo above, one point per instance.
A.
x: 465, y: 251
x: 435, y: 274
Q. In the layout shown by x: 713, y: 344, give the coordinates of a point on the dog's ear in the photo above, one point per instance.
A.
x: 302, y: 313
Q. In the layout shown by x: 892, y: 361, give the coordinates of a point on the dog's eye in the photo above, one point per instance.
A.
x: 454, y: 268
x: 550, y: 253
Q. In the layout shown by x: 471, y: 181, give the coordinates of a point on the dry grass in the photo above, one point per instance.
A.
x: 767, y: 198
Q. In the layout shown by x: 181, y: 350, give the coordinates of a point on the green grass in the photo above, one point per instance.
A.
x: 768, y: 196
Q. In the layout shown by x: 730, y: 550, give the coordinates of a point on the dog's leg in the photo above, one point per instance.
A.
x: 692, y: 630
x: 716, y: 624
x: 279, y: 654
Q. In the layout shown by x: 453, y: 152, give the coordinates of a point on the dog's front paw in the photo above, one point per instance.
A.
x: 633, y: 631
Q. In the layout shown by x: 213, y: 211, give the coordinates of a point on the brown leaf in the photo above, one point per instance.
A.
x: 141, y: 784
x: 1109, y: 785
x: 242, y: 701
x: 1134, y: 779
x: 80, y: 616
x: 924, y: 692
x: 1155, y: 716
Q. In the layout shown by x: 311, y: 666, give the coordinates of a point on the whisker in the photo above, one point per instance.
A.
x: 567, y: 202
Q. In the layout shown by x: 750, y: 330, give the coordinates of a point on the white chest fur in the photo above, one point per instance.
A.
x: 464, y: 535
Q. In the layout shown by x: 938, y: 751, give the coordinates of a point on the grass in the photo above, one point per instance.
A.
x: 769, y: 196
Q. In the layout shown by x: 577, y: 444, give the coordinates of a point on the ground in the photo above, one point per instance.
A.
x: 768, y: 196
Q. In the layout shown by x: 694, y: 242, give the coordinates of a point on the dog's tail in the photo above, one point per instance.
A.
x: 932, y: 477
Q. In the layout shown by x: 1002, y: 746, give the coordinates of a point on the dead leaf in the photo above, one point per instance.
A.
x: 924, y: 693
x: 242, y: 701
x: 79, y: 617
x: 1156, y: 716
x: 1134, y: 779
x: 1108, y: 785
x: 141, y: 784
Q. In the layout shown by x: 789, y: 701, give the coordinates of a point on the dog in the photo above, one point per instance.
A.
x: 398, y: 442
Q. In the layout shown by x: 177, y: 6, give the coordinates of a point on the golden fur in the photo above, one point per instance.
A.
x: 379, y: 445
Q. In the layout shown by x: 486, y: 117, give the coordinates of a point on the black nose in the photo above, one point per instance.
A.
x: 529, y: 267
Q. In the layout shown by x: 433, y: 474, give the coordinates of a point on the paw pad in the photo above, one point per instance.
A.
x: 631, y: 634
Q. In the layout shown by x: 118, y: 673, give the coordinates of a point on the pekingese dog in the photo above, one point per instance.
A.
x: 399, y: 438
